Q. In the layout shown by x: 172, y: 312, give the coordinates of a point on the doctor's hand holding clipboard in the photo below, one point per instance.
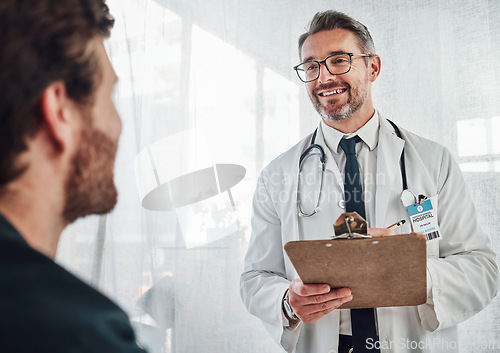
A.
x: 310, y: 302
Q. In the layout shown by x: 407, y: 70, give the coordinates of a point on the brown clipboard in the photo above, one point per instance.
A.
x: 381, y: 271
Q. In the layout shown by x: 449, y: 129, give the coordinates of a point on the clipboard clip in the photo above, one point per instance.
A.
x: 350, y: 225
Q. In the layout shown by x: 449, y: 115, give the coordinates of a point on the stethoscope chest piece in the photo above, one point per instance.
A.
x: 408, y: 198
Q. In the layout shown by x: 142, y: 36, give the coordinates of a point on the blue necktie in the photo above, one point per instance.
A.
x: 363, y: 326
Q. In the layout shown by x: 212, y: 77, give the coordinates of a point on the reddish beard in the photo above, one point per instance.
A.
x: 90, y: 188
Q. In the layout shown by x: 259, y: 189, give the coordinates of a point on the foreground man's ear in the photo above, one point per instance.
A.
x: 58, y: 114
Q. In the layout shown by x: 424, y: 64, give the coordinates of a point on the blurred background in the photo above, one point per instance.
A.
x: 208, y: 97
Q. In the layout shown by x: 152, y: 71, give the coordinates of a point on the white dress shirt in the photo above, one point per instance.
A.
x: 366, y: 153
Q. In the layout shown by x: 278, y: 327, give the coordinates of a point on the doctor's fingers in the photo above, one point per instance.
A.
x: 301, y: 289
x: 338, y: 293
x: 312, y: 313
x: 380, y: 232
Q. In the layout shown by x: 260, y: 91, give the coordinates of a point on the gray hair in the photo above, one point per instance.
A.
x: 329, y: 20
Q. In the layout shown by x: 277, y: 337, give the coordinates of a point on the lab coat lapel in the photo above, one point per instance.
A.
x: 292, y: 213
x: 330, y: 162
x: 389, y: 152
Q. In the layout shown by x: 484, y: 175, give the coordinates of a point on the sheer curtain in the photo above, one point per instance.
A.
x: 208, y: 97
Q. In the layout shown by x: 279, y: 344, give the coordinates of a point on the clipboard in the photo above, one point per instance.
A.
x: 381, y: 272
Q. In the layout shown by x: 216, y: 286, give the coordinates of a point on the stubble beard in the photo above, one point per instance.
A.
x: 357, y: 97
x: 90, y: 187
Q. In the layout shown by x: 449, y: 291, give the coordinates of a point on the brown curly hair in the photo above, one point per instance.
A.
x: 43, y: 41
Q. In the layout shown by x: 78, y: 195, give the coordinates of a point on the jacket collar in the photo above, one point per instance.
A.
x: 7, y: 230
x: 388, y: 168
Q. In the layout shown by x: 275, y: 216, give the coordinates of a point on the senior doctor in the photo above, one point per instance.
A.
x: 338, y: 67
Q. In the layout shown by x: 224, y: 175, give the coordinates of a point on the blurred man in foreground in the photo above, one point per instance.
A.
x: 59, y: 132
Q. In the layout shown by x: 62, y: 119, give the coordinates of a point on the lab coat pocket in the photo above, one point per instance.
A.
x: 433, y: 249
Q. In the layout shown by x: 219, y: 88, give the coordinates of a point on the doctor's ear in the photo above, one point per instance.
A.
x: 374, y: 64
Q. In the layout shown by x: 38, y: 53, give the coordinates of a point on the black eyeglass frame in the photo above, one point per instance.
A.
x: 296, y: 67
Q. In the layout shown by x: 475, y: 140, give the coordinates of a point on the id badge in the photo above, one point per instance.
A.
x: 424, y: 218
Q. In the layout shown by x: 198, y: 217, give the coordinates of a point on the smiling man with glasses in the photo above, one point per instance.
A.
x: 336, y: 64
x: 357, y: 160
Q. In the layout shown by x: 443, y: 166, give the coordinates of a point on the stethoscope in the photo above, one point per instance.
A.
x: 407, y: 197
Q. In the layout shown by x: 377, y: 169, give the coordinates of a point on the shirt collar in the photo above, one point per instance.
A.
x: 368, y: 133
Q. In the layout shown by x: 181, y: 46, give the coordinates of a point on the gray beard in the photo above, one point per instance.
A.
x: 343, y: 114
x: 346, y: 111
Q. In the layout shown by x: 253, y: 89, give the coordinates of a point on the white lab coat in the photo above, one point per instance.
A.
x: 461, y: 266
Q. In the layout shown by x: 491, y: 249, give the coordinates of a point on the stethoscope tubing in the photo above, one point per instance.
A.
x: 313, y: 145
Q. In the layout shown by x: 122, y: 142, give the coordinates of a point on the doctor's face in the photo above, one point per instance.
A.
x: 338, y: 97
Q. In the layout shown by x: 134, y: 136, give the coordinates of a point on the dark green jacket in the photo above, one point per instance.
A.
x: 44, y: 308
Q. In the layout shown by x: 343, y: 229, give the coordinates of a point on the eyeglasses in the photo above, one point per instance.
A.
x: 336, y: 64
